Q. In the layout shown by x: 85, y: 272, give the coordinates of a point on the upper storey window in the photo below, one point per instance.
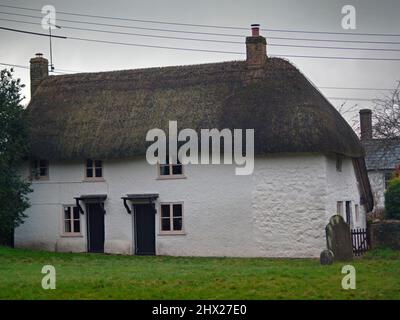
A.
x: 94, y: 169
x: 170, y: 170
x: 40, y: 169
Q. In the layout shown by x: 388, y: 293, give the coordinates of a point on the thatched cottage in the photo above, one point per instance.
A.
x: 94, y: 190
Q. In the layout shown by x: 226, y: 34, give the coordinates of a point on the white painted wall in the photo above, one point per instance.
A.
x: 377, y: 181
x: 343, y: 186
x: 279, y: 211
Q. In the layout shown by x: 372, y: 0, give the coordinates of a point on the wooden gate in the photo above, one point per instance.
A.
x: 360, y: 240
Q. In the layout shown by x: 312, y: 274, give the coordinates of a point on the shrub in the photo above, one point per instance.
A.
x: 392, y: 199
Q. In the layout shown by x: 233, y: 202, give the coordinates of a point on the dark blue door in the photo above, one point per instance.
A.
x: 95, y: 227
x: 145, y: 242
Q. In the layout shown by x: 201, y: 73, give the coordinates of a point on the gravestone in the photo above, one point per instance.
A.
x: 338, y: 239
x: 326, y: 257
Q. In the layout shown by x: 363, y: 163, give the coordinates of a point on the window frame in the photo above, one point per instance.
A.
x: 349, y: 213
x: 357, y: 212
x: 171, y: 218
x: 71, y: 222
x: 339, y: 163
x: 340, y: 208
x: 93, y: 169
x: 170, y: 175
x: 36, y: 167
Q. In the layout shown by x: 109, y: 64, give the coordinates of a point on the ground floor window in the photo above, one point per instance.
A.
x: 348, y: 212
x: 171, y: 218
x: 72, y: 221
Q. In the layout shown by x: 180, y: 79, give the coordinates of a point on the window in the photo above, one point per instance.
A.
x: 171, y: 218
x: 339, y: 163
x: 357, y: 211
x: 40, y: 169
x: 339, y: 208
x: 94, y: 169
x: 348, y: 212
x: 72, y: 222
x: 170, y: 170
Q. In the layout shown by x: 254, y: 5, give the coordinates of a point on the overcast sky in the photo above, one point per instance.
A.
x: 372, y: 16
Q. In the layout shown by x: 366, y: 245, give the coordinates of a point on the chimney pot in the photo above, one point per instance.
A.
x: 39, y: 70
x: 256, y: 47
x: 255, y: 30
x: 366, y: 124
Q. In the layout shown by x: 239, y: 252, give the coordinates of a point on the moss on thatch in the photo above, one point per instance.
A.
x: 107, y: 115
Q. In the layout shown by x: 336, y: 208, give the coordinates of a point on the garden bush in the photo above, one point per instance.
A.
x: 392, y: 199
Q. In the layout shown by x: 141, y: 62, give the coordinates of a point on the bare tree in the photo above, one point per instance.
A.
x: 386, y: 115
x: 349, y: 112
x: 386, y: 128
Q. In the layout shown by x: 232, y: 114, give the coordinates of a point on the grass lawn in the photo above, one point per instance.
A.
x: 96, y: 276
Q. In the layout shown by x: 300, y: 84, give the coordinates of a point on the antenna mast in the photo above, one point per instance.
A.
x: 51, y: 47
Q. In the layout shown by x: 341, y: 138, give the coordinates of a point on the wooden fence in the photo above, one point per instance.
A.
x: 360, y: 240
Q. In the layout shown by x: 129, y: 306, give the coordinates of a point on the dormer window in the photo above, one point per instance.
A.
x: 40, y: 169
x: 94, y: 169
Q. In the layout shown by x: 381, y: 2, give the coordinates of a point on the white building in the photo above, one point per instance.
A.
x: 94, y: 190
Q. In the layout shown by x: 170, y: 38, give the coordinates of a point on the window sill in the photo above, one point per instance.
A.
x: 40, y: 179
x: 94, y: 180
x: 73, y: 235
x: 171, y: 177
x: 171, y: 234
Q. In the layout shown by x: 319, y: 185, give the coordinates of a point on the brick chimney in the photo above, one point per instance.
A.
x: 39, y: 71
x: 366, y: 124
x: 256, y: 47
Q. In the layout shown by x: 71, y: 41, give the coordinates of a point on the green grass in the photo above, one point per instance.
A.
x: 96, y: 276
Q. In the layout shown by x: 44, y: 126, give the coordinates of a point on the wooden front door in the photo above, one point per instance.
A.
x: 95, y: 227
x: 144, y: 223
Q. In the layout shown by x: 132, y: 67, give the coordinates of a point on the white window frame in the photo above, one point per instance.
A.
x: 72, y: 233
x: 35, y: 169
x: 93, y: 168
x: 357, y: 212
x: 340, y: 208
x: 171, y: 218
x: 171, y: 175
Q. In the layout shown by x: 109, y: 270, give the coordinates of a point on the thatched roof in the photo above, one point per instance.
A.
x: 107, y: 114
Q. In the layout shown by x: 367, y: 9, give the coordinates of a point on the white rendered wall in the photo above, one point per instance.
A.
x: 279, y: 211
x: 343, y: 186
x: 288, y: 201
x: 377, y: 181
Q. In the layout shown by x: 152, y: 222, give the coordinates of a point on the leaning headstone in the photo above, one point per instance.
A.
x: 326, y: 257
x: 338, y: 238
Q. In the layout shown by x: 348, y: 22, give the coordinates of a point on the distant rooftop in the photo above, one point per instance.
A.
x: 382, y: 154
